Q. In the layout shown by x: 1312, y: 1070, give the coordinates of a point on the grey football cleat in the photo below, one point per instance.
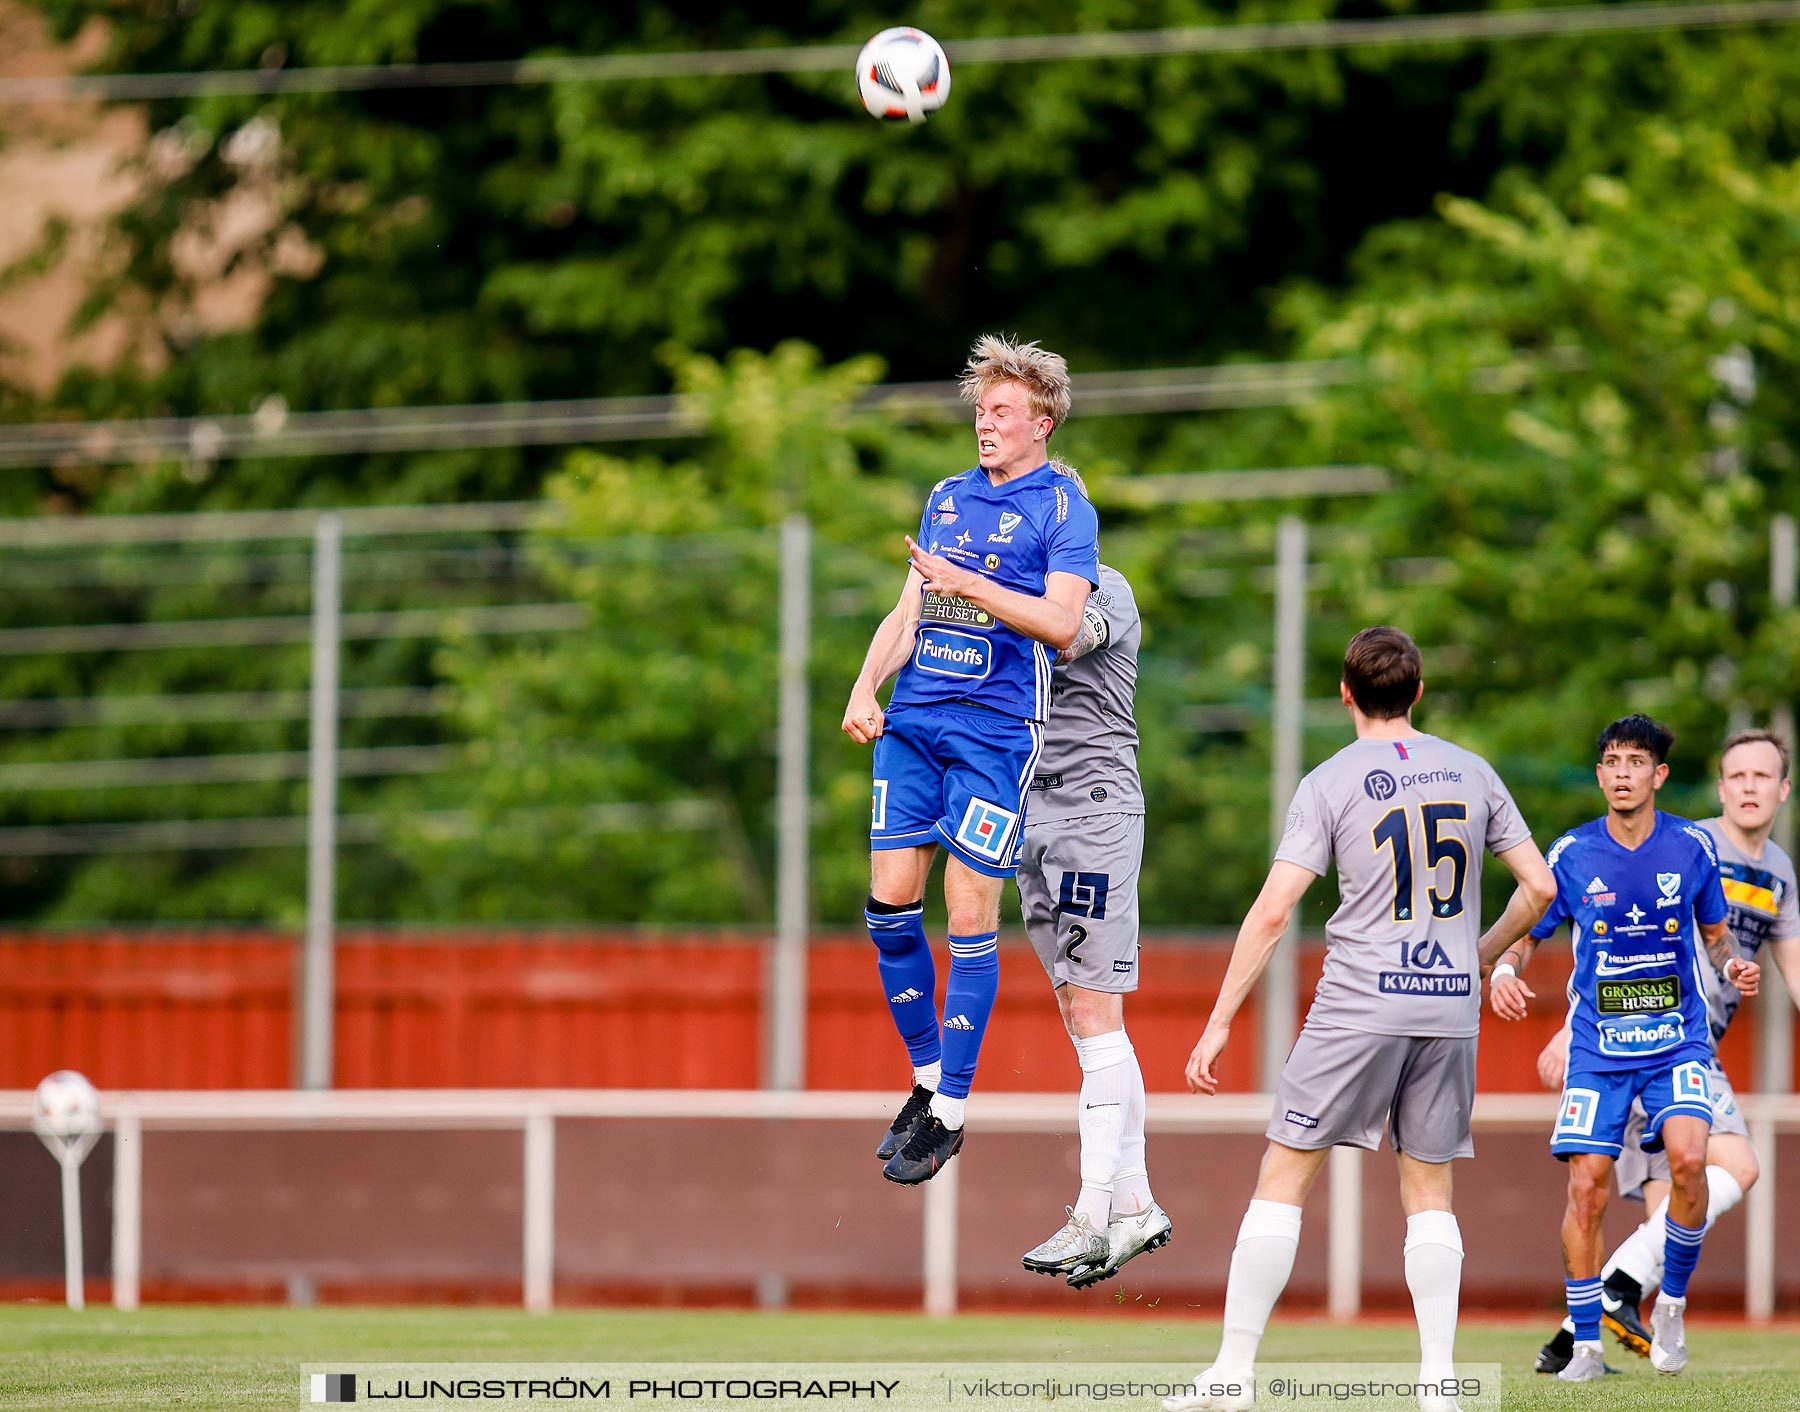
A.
x: 1585, y: 1365
x: 1076, y: 1244
x: 1668, y: 1339
x: 1126, y: 1238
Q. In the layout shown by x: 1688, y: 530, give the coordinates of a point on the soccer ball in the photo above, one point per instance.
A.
x: 67, y: 1105
x: 902, y: 73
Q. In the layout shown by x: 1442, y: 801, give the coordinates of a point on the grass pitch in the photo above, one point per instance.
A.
x: 233, y: 1357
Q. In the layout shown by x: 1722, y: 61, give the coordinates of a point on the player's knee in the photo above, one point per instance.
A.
x: 1587, y: 1193
x: 1092, y: 1012
x: 889, y: 937
x: 1744, y: 1168
x: 1687, y: 1168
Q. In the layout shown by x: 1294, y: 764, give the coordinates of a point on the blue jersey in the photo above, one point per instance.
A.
x: 1016, y: 534
x: 1637, y: 995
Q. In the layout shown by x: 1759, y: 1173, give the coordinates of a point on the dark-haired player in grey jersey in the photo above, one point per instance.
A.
x: 1078, y: 888
x: 1390, y: 1038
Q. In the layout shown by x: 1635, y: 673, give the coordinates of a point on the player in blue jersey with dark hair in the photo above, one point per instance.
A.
x: 1005, y: 557
x: 1634, y: 885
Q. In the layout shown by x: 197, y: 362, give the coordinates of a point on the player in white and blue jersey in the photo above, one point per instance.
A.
x: 1640, y: 890
x: 999, y: 575
x: 1764, y: 897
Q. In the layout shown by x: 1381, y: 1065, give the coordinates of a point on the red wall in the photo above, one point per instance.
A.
x: 523, y: 1009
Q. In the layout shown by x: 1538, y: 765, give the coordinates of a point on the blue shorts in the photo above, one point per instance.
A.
x: 1597, y: 1103
x: 955, y: 775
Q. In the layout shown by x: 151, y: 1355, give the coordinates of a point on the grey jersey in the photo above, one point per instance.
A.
x: 1089, y: 760
x: 1407, y: 821
x: 1760, y: 893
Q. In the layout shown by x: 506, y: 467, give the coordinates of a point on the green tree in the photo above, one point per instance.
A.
x: 1592, y: 402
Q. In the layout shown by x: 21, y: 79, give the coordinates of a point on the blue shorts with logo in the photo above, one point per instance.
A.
x: 955, y: 775
x: 1596, y: 1103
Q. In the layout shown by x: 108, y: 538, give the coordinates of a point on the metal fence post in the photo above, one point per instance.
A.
x: 318, y: 971
x: 785, y: 1041
x: 1280, y: 985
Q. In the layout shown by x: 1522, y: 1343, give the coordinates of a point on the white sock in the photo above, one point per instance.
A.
x: 1722, y: 1193
x: 929, y: 1075
x: 1100, y: 1115
x: 1131, y: 1182
x: 1261, y: 1262
x: 948, y: 1110
x: 1434, y: 1258
x: 1640, y: 1254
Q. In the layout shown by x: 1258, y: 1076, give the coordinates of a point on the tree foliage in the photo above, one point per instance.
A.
x: 1565, y: 269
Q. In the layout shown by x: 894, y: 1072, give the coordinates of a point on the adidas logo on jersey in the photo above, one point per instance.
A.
x: 1596, y: 886
x: 958, y: 1022
x: 910, y: 993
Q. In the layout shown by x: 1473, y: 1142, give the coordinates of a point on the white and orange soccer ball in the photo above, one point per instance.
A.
x: 902, y: 73
x: 67, y: 1105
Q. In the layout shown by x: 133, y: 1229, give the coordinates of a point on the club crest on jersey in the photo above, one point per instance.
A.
x: 1670, y: 884
x: 985, y: 829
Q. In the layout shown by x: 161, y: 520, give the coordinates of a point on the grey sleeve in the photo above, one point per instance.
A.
x: 1116, y: 603
x: 1506, y: 825
x: 1307, y: 840
x: 1787, y: 916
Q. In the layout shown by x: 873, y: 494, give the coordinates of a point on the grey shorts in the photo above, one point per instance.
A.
x: 1078, y: 889
x: 1635, y: 1166
x: 1341, y: 1087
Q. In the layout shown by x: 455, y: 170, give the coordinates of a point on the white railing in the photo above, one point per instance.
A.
x: 533, y: 1112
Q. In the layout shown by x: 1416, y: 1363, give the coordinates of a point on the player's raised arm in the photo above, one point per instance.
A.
x: 1262, y: 928
x: 1054, y: 619
x: 888, y: 651
x: 1532, y: 897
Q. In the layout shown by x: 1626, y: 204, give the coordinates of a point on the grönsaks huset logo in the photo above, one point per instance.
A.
x: 1379, y: 784
x: 334, y: 1387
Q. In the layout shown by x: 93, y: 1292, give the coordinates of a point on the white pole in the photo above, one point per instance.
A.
x: 540, y: 1209
x: 1280, y: 986
x: 1775, y: 1057
x: 785, y: 1042
x: 1343, y: 1279
x: 128, y: 1208
x: 318, y: 980
x: 1759, y: 1225
x: 940, y: 1242
x: 70, y: 1159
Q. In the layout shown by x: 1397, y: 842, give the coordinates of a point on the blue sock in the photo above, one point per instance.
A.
x: 908, y: 974
x: 1584, y: 1308
x: 968, y: 1001
x: 1681, y: 1252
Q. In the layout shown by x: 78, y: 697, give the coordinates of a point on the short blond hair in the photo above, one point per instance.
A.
x: 1044, y: 375
x: 1063, y: 468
